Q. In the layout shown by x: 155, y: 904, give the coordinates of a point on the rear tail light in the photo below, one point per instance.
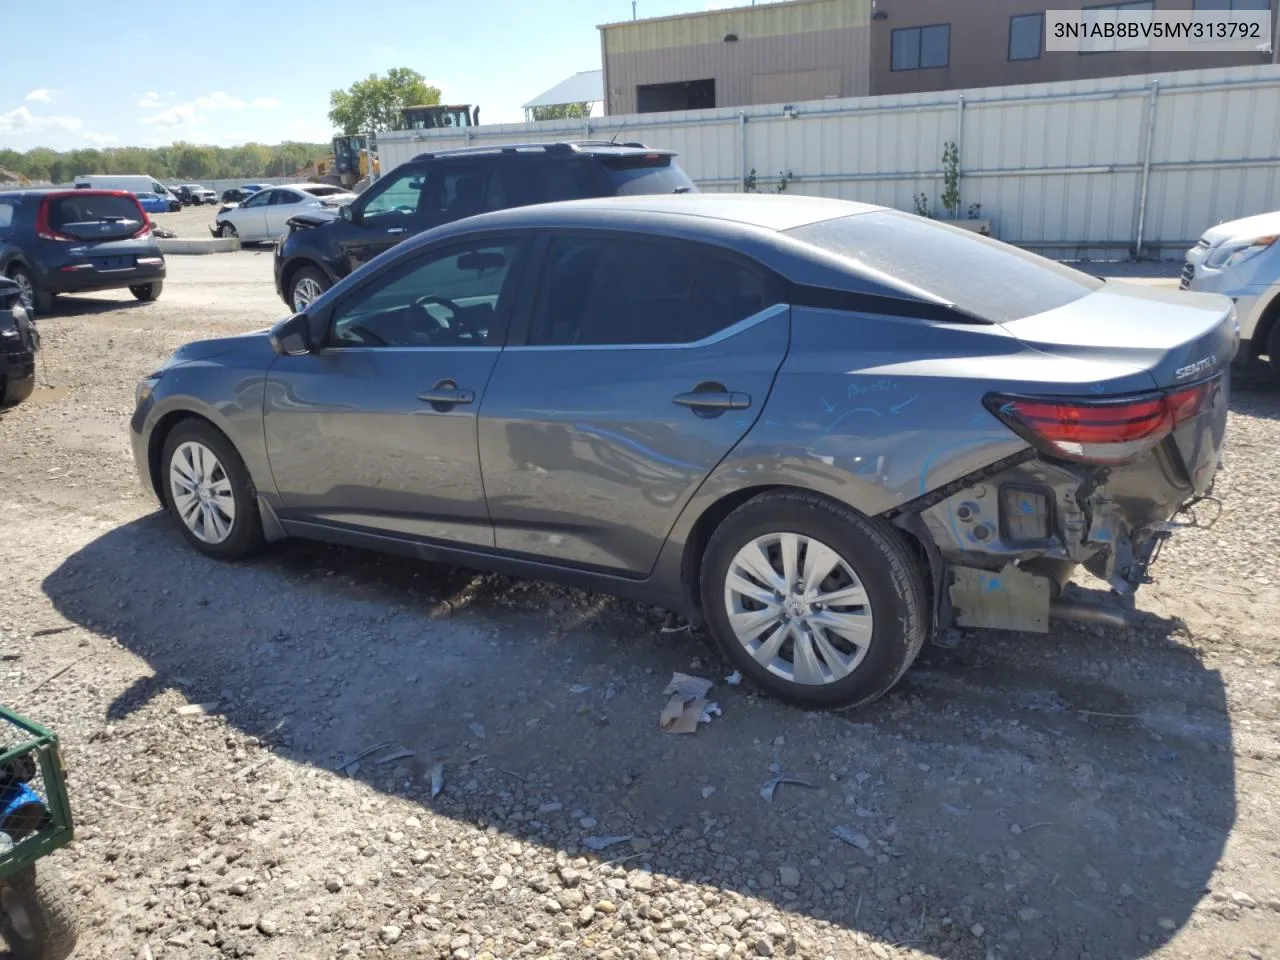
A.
x: 145, y: 229
x: 1102, y: 431
x: 43, y: 229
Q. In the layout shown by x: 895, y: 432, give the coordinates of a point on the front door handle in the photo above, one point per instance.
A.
x: 393, y: 231
x: 445, y: 395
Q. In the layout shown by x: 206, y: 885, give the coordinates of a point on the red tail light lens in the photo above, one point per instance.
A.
x: 1101, y: 431
x: 43, y: 229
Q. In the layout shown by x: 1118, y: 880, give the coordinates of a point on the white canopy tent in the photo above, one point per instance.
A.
x: 586, y: 86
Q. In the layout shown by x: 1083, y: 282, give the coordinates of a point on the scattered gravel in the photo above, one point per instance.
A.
x: 1146, y: 760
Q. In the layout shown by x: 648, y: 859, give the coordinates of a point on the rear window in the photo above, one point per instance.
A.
x: 82, y: 208
x: 646, y: 174
x: 980, y: 276
x: 322, y: 190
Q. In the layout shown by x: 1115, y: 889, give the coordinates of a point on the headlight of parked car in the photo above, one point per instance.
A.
x: 1232, y: 254
x: 144, y: 388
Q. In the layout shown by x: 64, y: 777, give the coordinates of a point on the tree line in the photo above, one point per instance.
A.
x: 181, y: 161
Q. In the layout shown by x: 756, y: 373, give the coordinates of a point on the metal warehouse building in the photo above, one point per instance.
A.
x: 774, y: 53
x: 815, y: 49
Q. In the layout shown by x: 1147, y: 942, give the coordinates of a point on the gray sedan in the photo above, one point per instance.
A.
x: 825, y: 429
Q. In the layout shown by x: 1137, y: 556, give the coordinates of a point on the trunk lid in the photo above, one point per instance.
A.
x: 1171, y: 340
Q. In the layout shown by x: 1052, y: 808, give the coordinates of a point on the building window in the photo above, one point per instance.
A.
x: 687, y: 95
x: 1026, y: 36
x: 921, y: 48
x: 1262, y: 5
x: 1107, y: 13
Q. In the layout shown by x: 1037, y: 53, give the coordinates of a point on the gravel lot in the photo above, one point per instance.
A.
x: 1086, y: 794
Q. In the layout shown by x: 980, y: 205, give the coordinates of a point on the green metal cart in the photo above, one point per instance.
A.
x: 35, y: 820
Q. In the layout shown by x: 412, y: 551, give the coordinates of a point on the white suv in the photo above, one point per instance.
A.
x: 1241, y: 260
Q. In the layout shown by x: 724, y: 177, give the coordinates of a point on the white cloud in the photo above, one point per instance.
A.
x: 101, y: 139
x: 150, y: 100
x: 265, y: 103
x: 39, y: 95
x: 174, y: 116
x: 218, y: 100
x: 24, y: 119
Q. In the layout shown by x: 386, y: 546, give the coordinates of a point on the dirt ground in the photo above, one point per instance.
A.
x: 1086, y: 794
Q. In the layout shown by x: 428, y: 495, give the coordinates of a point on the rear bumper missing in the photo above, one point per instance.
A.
x: 1006, y: 545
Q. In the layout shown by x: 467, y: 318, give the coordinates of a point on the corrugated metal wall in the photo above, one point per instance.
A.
x: 1056, y: 167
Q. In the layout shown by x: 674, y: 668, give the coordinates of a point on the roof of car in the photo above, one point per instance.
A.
x: 765, y: 211
x: 565, y: 148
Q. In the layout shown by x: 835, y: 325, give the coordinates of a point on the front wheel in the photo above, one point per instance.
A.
x: 814, y: 602
x: 1273, y: 348
x: 209, y: 492
x: 226, y: 230
x: 305, y: 287
x: 36, y: 921
x: 146, y: 292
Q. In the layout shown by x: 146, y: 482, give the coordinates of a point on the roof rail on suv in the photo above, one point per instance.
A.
x: 560, y: 146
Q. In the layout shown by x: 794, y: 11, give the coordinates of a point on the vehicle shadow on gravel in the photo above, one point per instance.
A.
x: 1061, y: 795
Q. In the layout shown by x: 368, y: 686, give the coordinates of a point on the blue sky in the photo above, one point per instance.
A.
x: 154, y: 72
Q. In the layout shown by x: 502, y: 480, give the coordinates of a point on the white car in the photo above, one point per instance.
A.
x: 265, y: 215
x: 1241, y: 260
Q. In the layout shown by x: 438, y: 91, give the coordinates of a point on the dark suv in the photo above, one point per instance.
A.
x: 437, y: 188
x: 77, y: 241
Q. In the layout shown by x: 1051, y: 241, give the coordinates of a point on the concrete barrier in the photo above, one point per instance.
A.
x: 199, y: 244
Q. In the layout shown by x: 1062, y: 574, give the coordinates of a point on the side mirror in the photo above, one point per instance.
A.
x: 292, y: 337
x: 348, y: 214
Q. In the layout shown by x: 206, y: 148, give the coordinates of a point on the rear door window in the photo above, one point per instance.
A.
x: 599, y: 290
x: 6, y: 216
x: 991, y: 280
x: 546, y: 181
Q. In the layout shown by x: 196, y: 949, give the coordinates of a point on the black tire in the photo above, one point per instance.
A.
x: 146, y: 292
x: 878, y: 557
x: 306, y: 273
x: 1273, y: 347
x: 226, y: 230
x: 36, y: 921
x: 41, y: 300
x: 245, y: 537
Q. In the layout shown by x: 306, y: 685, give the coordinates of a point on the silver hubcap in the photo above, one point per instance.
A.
x: 16, y: 914
x: 202, y: 492
x: 227, y: 230
x: 305, y: 292
x: 798, y: 608
x: 26, y: 292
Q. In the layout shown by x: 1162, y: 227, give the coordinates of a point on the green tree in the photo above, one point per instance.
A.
x: 374, y: 103
x: 562, y: 111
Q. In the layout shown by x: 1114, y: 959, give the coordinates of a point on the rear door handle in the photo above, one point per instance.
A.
x: 445, y: 395
x: 712, y: 400
x: 397, y: 230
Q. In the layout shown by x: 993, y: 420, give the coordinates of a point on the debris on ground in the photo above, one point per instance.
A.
x: 778, y: 779
x: 196, y: 709
x: 854, y: 838
x: 401, y: 754
x: 688, y: 705
x: 578, y: 688
x: 437, y: 779
x: 733, y: 679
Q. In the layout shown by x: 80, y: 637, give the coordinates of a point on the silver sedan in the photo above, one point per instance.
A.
x: 265, y: 215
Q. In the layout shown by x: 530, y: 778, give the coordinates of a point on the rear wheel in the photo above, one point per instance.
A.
x: 816, y: 603
x: 36, y: 921
x: 29, y: 292
x: 226, y: 230
x: 147, y: 292
x: 305, y: 287
x: 209, y: 492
